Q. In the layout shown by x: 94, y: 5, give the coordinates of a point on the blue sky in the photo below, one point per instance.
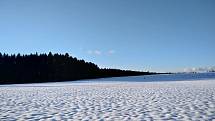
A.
x: 154, y: 35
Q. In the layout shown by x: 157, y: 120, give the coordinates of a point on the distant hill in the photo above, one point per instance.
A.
x: 37, y: 68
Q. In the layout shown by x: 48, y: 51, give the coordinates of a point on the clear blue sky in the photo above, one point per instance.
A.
x: 154, y: 35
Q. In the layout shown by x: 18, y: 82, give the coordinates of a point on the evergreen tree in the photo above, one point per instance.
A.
x: 52, y: 67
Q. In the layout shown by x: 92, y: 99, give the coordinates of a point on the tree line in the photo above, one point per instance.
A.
x: 37, y: 68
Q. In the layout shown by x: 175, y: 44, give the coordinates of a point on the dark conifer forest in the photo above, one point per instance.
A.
x: 36, y: 68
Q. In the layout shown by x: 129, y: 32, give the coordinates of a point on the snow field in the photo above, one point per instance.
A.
x: 137, y: 101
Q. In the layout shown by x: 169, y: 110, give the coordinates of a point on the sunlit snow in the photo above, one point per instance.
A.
x: 188, y: 99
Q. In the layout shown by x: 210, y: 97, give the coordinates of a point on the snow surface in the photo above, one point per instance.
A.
x: 108, y: 100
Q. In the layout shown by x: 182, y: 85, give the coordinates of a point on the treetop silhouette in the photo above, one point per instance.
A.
x: 36, y: 68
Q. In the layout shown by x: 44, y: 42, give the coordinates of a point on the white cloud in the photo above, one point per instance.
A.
x: 94, y: 52
x: 111, y: 52
x: 200, y: 69
x: 90, y: 52
x: 97, y: 52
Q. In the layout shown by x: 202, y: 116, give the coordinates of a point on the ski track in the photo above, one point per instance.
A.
x: 137, y: 101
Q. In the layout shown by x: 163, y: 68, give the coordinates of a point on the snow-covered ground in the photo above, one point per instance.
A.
x: 188, y: 99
